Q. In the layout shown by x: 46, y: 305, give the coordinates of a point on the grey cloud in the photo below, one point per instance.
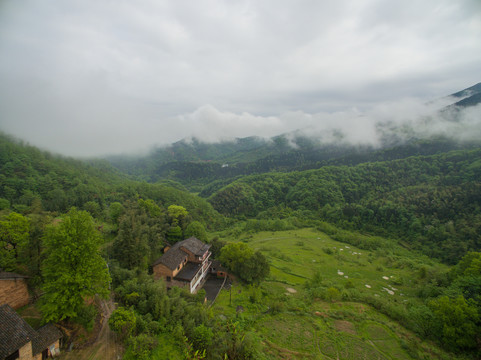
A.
x: 95, y: 77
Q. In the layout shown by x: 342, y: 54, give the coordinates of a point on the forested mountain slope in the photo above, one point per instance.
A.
x: 430, y: 202
x: 31, y: 179
x: 197, y: 175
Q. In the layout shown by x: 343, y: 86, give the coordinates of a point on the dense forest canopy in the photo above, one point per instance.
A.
x: 30, y: 177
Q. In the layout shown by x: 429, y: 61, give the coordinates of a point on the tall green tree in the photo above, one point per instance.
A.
x: 14, y: 230
x: 131, y: 244
x: 249, y: 266
x: 177, y: 214
x: 196, y: 229
x: 73, y: 268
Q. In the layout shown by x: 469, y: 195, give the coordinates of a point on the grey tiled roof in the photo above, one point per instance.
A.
x: 46, y: 336
x: 176, y: 255
x: 195, y: 246
x: 15, y: 333
x: 173, y: 257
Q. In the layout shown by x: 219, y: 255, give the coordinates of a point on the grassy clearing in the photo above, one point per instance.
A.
x: 31, y: 315
x: 295, y: 328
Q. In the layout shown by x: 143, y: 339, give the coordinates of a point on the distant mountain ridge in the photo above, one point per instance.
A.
x: 471, y: 96
x: 193, y: 162
x: 470, y: 91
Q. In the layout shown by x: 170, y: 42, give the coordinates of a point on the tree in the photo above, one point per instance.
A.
x: 455, y: 320
x: 202, y: 337
x: 116, y: 209
x: 254, y: 269
x: 131, y: 244
x: 234, y: 254
x: 174, y: 234
x: 177, y: 214
x: 14, y: 232
x: 196, y: 229
x: 216, y: 247
x: 151, y: 207
x: 249, y: 266
x: 93, y: 208
x: 73, y: 269
x: 122, y: 321
x: 469, y: 265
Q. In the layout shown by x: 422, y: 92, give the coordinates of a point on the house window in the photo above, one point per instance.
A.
x: 169, y: 278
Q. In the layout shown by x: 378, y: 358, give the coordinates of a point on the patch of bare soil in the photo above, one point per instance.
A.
x: 101, y: 344
x: 345, y: 326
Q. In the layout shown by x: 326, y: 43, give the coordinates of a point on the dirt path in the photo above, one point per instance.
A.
x: 105, y: 347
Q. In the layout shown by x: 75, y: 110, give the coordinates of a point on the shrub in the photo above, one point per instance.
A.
x: 328, y: 251
x: 123, y: 322
x: 333, y: 294
x: 86, y: 317
x: 141, y: 346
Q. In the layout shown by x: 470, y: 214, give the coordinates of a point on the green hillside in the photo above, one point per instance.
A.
x: 325, y: 299
x: 32, y: 180
x: 430, y: 203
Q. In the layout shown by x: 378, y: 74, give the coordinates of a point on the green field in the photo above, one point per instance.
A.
x: 294, y: 324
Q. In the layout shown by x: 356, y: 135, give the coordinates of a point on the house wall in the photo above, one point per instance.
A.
x: 25, y: 352
x: 14, y: 292
x: 161, y: 271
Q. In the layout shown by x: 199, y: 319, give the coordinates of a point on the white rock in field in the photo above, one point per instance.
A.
x: 390, y: 292
x: 368, y: 286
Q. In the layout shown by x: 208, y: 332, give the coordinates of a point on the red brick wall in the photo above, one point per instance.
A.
x: 14, y: 293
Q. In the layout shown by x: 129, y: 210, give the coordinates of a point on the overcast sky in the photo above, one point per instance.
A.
x: 95, y: 77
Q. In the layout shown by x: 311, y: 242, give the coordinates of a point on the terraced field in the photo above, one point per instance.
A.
x: 293, y: 325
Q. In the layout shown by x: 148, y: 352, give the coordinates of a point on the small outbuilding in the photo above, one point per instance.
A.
x: 18, y: 340
x: 218, y: 270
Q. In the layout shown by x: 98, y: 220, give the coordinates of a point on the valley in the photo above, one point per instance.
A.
x: 333, y: 251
